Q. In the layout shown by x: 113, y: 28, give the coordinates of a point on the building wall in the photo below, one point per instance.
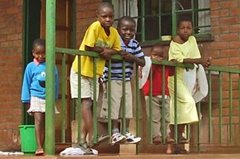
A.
x: 10, y: 72
x: 225, y: 50
x: 86, y: 14
x: 225, y: 21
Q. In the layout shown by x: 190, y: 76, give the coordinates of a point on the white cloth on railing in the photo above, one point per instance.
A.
x: 2, y: 153
x: 196, y: 82
x: 145, y: 71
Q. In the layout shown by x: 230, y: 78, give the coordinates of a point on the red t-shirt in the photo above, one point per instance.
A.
x: 157, y: 80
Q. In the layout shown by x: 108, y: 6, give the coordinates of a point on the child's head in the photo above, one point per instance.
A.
x: 39, y: 50
x: 184, y: 28
x: 105, y: 14
x: 157, y: 52
x: 126, y: 28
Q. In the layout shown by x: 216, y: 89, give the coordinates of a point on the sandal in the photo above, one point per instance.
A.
x: 101, y: 140
x: 182, y: 140
x: 86, y: 149
x: 180, y: 151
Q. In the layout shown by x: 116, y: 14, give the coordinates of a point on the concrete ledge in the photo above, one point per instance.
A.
x: 128, y: 149
x: 139, y: 156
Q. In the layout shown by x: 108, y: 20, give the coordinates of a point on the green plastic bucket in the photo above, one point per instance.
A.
x: 28, y: 139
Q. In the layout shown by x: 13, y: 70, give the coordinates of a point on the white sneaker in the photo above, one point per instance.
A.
x: 117, y: 138
x: 132, y: 139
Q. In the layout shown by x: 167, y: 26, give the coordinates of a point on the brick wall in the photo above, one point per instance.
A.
x: 225, y: 50
x: 11, y: 72
x: 86, y: 14
x: 225, y: 21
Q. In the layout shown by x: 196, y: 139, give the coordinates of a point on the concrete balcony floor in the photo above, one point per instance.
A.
x: 139, y: 156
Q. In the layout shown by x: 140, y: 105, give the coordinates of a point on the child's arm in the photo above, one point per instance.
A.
x: 107, y: 53
x: 131, y: 58
x: 25, y: 96
x: 104, y: 52
x: 204, y: 61
x: 95, y: 48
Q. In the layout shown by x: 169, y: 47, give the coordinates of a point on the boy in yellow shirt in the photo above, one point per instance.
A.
x: 102, y: 38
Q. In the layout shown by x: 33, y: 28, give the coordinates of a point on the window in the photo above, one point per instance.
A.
x: 156, y: 19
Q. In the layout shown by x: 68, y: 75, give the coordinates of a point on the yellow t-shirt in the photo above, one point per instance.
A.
x: 96, y: 36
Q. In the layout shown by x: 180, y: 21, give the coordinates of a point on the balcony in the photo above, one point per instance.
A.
x: 215, y: 134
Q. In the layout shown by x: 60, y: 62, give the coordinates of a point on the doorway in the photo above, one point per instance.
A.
x: 35, y: 27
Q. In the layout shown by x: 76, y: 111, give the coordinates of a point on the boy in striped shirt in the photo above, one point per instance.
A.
x: 131, y: 53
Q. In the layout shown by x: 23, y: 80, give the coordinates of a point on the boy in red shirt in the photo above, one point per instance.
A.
x: 157, y: 104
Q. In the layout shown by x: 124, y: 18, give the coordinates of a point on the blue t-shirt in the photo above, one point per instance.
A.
x: 134, y: 48
x: 34, y: 82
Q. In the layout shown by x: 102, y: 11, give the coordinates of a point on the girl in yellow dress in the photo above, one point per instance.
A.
x: 184, y: 49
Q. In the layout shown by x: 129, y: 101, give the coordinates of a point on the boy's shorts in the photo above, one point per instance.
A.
x: 87, y: 86
x: 117, y: 101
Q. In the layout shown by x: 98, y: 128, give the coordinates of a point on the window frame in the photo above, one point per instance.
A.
x: 194, y: 10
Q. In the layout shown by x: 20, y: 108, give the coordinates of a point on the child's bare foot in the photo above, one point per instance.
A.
x: 169, y: 149
x: 169, y: 140
x: 157, y: 140
x: 39, y: 152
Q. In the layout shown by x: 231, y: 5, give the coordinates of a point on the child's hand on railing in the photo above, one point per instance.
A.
x: 157, y: 57
x: 127, y: 56
x: 206, y: 62
x: 106, y: 53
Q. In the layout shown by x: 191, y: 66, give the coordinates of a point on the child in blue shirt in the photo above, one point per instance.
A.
x: 34, y: 91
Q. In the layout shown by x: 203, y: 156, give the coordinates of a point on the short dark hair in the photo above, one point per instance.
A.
x: 105, y: 5
x: 184, y: 19
x: 125, y: 18
x: 157, y: 45
x: 40, y: 42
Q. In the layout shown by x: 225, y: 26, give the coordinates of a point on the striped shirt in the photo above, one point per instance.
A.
x: 117, y: 72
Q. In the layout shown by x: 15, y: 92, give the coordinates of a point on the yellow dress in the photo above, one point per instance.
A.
x: 186, y: 108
